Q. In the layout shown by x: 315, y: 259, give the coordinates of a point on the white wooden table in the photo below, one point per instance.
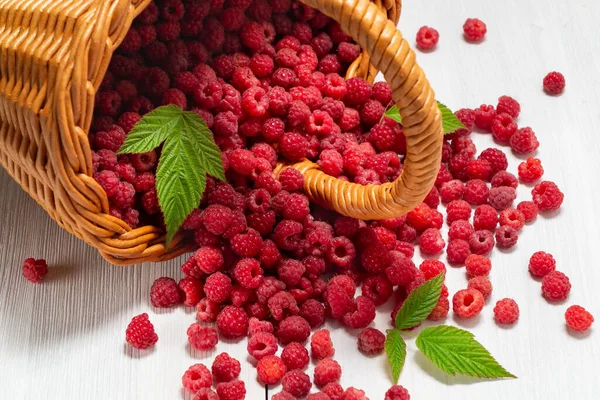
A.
x: 64, y: 339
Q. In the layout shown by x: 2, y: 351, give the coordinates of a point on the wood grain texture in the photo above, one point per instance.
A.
x: 64, y: 339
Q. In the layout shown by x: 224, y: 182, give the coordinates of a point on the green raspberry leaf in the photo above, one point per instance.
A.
x: 419, y: 303
x: 395, y: 348
x: 188, y: 155
x: 455, y: 350
x: 450, y: 122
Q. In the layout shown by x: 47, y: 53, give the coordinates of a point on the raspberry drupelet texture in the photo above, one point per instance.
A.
x: 452, y: 190
x: 234, y: 390
x: 431, y: 241
x: 218, y: 287
x: 460, y: 229
x: 477, y: 265
x: 556, y: 286
x: 293, y: 329
x: 327, y: 371
x: 295, y: 356
x: 206, y: 394
x: 427, y: 38
x: 474, y: 30
x: 503, y: 127
x: 283, y: 396
x: 529, y: 210
x: 458, y: 251
x: 202, y: 337
x: 508, y: 105
x: 467, y: 303
x: 485, y: 217
x: 34, y: 270
x: 484, y: 116
x: 524, y: 141
x: 261, y: 345
x: 502, y: 197
x: 192, y: 291
x: 554, y: 83
x: 270, y: 370
x: 353, y: 393
x: 457, y: 210
x: 297, y: 383
x: 506, y: 311
x: 476, y: 192
x: 371, y: 341
x: 165, y: 292
x: 232, y: 322
x: 397, y: 392
x: 531, y: 170
x: 197, y: 377
x: 140, y: 332
x: 506, y: 237
x: 513, y: 218
x: 225, y: 368
x: 503, y: 178
x: 578, y: 318
x: 541, y: 264
x: 321, y: 345
x: 482, y: 285
x: 547, y: 196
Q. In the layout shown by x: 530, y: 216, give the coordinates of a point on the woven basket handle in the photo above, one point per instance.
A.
x: 422, y: 123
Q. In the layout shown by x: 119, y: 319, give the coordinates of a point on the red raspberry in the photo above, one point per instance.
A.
x: 252, y: 35
x: 524, y: 141
x: 282, y: 305
x: 481, y: 242
x: 345, y: 282
x: 341, y: 252
x: 381, y: 91
x: 467, y: 303
x: 508, y: 105
x: 432, y: 268
x: 128, y: 120
x: 35, y: 270
x: 261, y: 345
x: 247, y: 245
x: 321, y: 345
x: 554, y: 83
x: 106, y: 159
x: 144, y: 182
x: 334, y: 390
x: 371, y: 112
x: 174, y: 96
x: 295, y: 356
x: 464, y: 145
x: 547, y: 196
x: 359, y: 91
x: 331, y: 162
x: 375, y: 259
x: 353, y: 393
x: 165, y: 292
x: 293, y: 146
x: 225, y: 368
x: 458, y: 251
x: 197, y: 377
x: 457, y: 210
x: 397, y: 392
x: 578, y: 318
x: 427, y: 38
x: 217, y: 218
x: 371, y: 341
x: 402, y: 271
x: 484, y: 116
x: 297, y: 383
x: 296, y: 207
x: 112, y: 139
x: 513, y: 218
x: 232, y: 322
x: 501, y: 197
x: 477, y: 265
x: 556, y: 286
x: 377, y: 288
x: 482, y: 285
x: 460, y: 229
x: 420, y: 217
x: 313, y: 311
x: 496, y: 158
x: 202, y: 338
x: 503, y: 178
x: 347, y: 53
x: 192, y: 291
x: 467, y: 117
x: 144, y: 162
x: 283, y: 396
x: 318, y: 396
x: 503, y: 128
x: 506, y: 237
x: 206, y: 394
x: 541, y: 264
x: 125, y: 196
x: 293, y: 329
x: 270, y: 370
x: 531, y: 170
x: 248, y: 273
x: 217, y: 287
x: 330, y: 64
x: 528, y: 209
x: 140, y: 332
x: 255, y: 326
x: 108, y: 103
x: 234, y: 390
x: 207, y: 310
x: 485, y: 217
x: 209, y: 259
x: 363, y: 316
x: 474, y: 30
x: 268, y: 288
x: 441, y: 309
x: 506, y: 311
x: 452, y: 190
x: 327, y: 371
x: 286, y: 234
x: 149, y: 15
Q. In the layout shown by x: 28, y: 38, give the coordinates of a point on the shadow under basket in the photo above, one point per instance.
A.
x: 54, y: 54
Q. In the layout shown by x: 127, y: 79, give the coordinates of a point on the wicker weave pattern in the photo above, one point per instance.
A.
x: 53, y: 56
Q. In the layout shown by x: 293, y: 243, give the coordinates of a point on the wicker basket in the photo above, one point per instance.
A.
x: 54, y: 54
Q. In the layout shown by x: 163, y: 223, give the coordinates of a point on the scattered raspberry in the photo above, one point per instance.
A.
x: 461, y: 229
x: 503, y: 128
x: 192, y: 290
x: 467, y: 303
x: 513, y: 218
x: 541, y: 264
x: 295, y: 356
x: 431, y: 241
x: 140, y: 332
x: 313, y: 311
x: 503, y: 178
x: 506, y: 311
x: 441, y: 310
x: 578, y: 318
x: 334, y: 390
x: 377, y: 288
x: 479, y: 169
x: 293, y: 329
x: 506, y: 237
x: 508, y: 105
x: 232, y: 322
x: 165, y: 292
x: 353, y: 393
x: 476, y: 192
x: 283, y: 396
x: 556, y: 286
x: 327, y: 371
x: 482, y: 285
x: 474, y: 30
x: 397, y: 392
x: 502, y: 197
x: 225, y: 368
x: 202, y: 338
x: 477, y: 265
x: 197, y: 377
x: 371, y: 341
x: 547, y: 196
x: 554, y: 83
x: 35, y: 270
x: 207, y: 310
x: 484, y: 116
x: 297, y: 383
x: 270, y: 370
x: 261, y: 345
x: 458, y: 251
x: 529, y: 210
x: 218, y: 287
x: 321, y: 345
x: 427, y: 38
x: 485, y: 217
x: 524, y: 141
x: 206, y: 394
x: 234, y: 390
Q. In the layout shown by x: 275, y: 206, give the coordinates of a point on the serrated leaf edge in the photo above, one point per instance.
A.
x: 395, y: 349
x: 424, y: 299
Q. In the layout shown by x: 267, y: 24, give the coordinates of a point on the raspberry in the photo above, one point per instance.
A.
x: 232, y: 322
x: 108, y: 103
x: 457, y: 167
x: 501, y: 197
x: 149, y: 15
x: 297, y: 383
x: 363, y: 316
x: 432, y: 268
x: 427, y: 38
x: 140, y: 332
x: 217, y: 287
x: 401, y: 271
x: 484, y: 116
x: 460, y: 229
x: 268, y: 288
x: 556, y: 286
x: 313, y: 311
x: 252, y: 35
x: 452, y: 190
x: 247, y: 245
x: 481, y: 242
x: 457, y: 210
x: 125, y: 195
x: 578, y: 318
x: 234, y: 390
x: 261, y: 345
x: 202, y: 338
x: 467, y: 117
x: 441, y: 309
x: 374, y: 259
x: 547, y: 196
x: 330, y: 64
x: 524, y: 141
x: 531, y: 170
x: 282, y: 305
x: 327, y: 371
x: 255, y: 326
x: 431, y: 241
x: 506, y: 311
x: 112, y: 139
x: 554, y: 83
x: 503, y: 178
x: 270, y: 370
x: 528, y: 209
x: 293, y: 146
x: 508, y: 105
x: 209, y: 259
x: 286, y: 234
x: 206, y: 394
x: 541, y: 264
x: 318, y: 396
x: 295, y: 356
x: 165, y: 292
x: 481, y: 284
x: 353, y: 393
x: 420, y: 217
x: 359, y: 91
x: 467, y: 303
x: 293, y: 329
x: 485, y: 217
x: 503, y: 128
x: 225, y: 368
x: 334, y: 390
x: 496, y: 158
x: 458, y: 251
x: 397, y: 392
x: 377, y: 288
x: 207, y: 310
x: 477, y: 265
x: 197, y: 377
x: 371, y: 341
x: 128, y: 120
x: 474, y: 30
x: 506, y: 237
x: 283, y: 396
x: 513, y: 218
x: 321, y: 345
x: 35, y: 270
x: 192, y: 291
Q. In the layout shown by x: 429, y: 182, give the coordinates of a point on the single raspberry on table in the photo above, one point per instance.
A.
x: 140, y: 332
x: 295, y: 356
x: 484, y: 116
x: 334, y: 390
x: 503, y: 128
x: 482, y: 284
x: 502, y: 197
x: 476, y: 192
x: 485, y: 217
x: 232, y: 322
x: 547, y: 196
x: 197, y: 377
x: 529, y: 210
x: 474, y: 30
x: 554, y: 83
x: 467, y: 303
x: 261, y: 345
x: 506, y: 237
x: 556, y: 286
x: 427, y: 38
x: 460, y: 229
x: 513, y: 218
x: 225, y: 368
x: 297, y: 383
x: 397, y: 392
x: 327, y: 371
x: 34, y: 270
x: 321, y: 345
x: 508, y: 105
x: 270, y: 370
x: 202, y: 337
x: 165, y: 292
x: 457, y: 252
x: 477, y: 265
x: 506, y: 311
x: 578, y: 318
x: 234, y: 390
x: 541, y: 264
x: 371, y: 341
x: 531, y: 170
